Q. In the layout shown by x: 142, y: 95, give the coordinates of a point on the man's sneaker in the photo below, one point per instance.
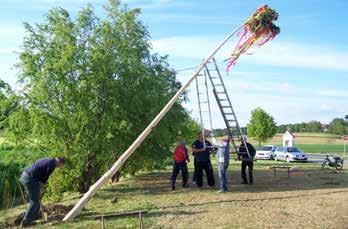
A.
x: 173, y: 187
x: 222, y: 191
x: 244, y: 182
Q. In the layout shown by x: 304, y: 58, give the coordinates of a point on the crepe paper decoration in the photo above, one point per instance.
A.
x: 256, y: 31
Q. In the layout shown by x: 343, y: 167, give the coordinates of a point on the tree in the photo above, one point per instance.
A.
x: 314, y: 127
x: 93, y: 86
x: 338, y: 126
x: 261, y: 125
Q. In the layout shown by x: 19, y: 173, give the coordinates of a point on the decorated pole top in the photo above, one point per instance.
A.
x: 256, y: 31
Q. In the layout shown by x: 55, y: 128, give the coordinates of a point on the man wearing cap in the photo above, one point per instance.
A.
x: 180, y: 157
x: 201, y: 151
x: 34, y: 178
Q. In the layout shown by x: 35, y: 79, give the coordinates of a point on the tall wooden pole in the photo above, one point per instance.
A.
x: 122, y: 159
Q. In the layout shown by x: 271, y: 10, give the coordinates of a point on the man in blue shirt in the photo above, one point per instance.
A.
x: 34, y: 178
x: 202, y: 157
x: 223, y: 158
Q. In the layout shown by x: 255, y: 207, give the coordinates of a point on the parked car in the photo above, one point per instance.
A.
x: 265, y: 152
x: 289, y: 154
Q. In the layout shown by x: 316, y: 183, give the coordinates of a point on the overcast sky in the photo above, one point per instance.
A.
x: 301, y: 75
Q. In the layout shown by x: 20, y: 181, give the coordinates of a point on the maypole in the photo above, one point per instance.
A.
x: 123, y: 158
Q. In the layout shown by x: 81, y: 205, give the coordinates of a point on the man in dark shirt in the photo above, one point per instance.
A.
x: 202, y: 159
x: 34, y: 178
x: 246, y: 160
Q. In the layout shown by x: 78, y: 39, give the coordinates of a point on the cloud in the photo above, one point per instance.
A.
x: 279, y: 53
x: 284, y: 109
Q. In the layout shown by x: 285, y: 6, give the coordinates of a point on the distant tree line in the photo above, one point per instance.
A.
x: 337, y: 126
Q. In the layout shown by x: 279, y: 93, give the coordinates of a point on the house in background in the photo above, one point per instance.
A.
x: 288, y: 139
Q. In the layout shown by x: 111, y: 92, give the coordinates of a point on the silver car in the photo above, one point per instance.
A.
x: 289, y: 154
x: 265, y: 152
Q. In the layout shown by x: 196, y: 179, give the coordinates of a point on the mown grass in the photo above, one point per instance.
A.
x: 319, y: 195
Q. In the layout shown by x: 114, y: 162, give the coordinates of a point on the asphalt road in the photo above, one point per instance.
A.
x: 318, y: 158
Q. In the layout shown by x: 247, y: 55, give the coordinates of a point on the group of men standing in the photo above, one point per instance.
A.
x: 201, y: 150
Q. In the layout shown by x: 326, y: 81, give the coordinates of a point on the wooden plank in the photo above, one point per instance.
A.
x: 121, y: 214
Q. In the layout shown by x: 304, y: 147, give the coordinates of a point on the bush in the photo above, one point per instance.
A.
x: 10, y: 188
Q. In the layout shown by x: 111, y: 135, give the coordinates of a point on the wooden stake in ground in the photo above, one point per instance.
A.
x: 122, y: 159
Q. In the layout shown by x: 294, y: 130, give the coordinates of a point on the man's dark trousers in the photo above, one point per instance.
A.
x: 208, y: 168
x: 250, y: 165
x: 194, y: 177
x: 184, y: 173
x: 33, y: 189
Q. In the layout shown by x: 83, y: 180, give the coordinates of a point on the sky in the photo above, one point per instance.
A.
x: 300, y: 76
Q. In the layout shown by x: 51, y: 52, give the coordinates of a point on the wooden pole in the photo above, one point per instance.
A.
x: 122, y: 159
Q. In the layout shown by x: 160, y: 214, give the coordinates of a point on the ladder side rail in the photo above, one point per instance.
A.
x: 229, y: 101
x: 200, y: 109
x: 208, y: 101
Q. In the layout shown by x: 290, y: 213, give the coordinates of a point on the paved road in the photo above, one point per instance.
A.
x: 318, y: 158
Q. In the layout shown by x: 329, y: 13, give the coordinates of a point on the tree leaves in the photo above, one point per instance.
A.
x: 261, y: 125
x: 92, y: 86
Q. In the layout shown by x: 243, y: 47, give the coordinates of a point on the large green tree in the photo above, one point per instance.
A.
x: 261, y: 126
x: 92, y: 86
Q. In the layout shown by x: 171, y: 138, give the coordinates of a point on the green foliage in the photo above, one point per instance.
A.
x: 338, y: 126
x: 309, y: 127
x: 261, y: 126
x: 9, y: 103
x: 9, y: 184
x: 92, y: 86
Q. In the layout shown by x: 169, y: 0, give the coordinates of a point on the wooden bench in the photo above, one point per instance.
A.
x: 274, y: 168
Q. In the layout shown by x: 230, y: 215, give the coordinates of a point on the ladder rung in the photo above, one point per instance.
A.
x: 226, y: 107
x: 216, y: 85
x: 229, y: 113
x: 230, y: 120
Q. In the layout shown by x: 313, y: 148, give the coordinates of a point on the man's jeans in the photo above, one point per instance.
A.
x: 222, y: 167
x: 184, y: 173
x: 33, y: 189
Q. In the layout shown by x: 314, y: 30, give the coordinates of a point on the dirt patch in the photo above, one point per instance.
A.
x: 53, y: 213
x: 57, y: 212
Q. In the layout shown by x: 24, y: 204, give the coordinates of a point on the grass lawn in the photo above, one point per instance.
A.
x: 310, y: 198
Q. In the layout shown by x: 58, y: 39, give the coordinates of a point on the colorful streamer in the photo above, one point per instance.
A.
x: 256, y: 31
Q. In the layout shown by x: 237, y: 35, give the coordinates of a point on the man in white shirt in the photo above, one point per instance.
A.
x: 223, y: 158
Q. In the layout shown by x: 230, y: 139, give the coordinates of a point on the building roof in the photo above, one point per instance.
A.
x: 289, y: 132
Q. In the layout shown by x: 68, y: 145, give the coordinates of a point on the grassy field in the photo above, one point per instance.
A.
x: 310, y: 198
x: 312, y: 143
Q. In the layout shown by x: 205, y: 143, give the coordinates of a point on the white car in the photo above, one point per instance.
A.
x: 265, y: 152
x: 289, y: 154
